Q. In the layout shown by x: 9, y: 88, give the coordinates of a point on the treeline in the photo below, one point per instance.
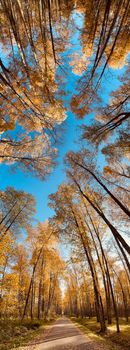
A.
x: 92, y: 215
x: 91, y: 208
x: 79, y: 299
x: 31, y: 268
x: 30, y: 275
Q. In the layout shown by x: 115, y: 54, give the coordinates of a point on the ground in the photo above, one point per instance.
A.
x: 66, y: 335
x: 91, y: 328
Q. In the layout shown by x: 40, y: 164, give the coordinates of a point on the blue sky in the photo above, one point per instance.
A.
x: 41, y: 189
x: 70, y: 134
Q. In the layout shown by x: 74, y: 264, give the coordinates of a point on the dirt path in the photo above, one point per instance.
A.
x: 64, y: 335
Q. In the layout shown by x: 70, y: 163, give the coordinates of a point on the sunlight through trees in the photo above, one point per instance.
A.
x: 65, y: 62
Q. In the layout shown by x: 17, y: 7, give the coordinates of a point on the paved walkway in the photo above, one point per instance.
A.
x: 64, y: 335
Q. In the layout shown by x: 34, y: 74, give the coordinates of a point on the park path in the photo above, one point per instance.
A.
x: 64, y: 335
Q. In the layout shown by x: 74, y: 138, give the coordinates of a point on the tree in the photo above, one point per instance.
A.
x: 28, y: 86
x: 46, y: 269
x: 31, y: 154
x: 69, y: 216
x: 17, y: 208
x: 112, y: 116
x: 82, y: 227
x: 104, y: 31
x: 31, y: 272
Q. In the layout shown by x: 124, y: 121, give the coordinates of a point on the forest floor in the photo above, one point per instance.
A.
x: 13, y: 333
x: 77, y: 333
x: 91, y: 328
x: 81, y: 334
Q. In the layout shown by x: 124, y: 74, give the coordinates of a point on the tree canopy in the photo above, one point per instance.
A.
x: 65, y: 64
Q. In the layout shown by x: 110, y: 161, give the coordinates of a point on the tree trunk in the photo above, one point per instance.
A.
x: 119, y: 239
x: 40, y: 290
x: 32, y: 298
x: 124, y: 298
x: 31, y: 282
x: 107, y: 294
x: 109, y: 284
x: 116, y: 200
x: 98, y: 299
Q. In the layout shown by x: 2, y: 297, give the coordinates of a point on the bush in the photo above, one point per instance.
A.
x: 31, y: 324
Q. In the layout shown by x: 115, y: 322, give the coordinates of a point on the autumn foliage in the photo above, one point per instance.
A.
x: 91, y: 206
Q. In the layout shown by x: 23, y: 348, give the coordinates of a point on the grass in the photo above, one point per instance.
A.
x: 122, y: 338
x: 91, y: 328
x: 14, y: 333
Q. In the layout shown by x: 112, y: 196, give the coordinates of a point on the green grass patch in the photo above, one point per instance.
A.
x: 14, y: 333
x: 112, y: 338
